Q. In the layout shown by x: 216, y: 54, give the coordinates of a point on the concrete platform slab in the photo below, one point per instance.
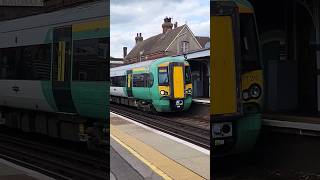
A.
x: 167, y: 156
x: 11, y: 171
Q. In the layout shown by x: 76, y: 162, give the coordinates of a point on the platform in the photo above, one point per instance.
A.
x: 290, y: 123
x: 11, y: 171
x: 153, y: 154
x: 201, y: 100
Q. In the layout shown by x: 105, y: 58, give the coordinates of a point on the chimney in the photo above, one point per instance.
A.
x: 175, y: 25
x: 124, y: 52
x: 167, y: 25
x: 139, y: 38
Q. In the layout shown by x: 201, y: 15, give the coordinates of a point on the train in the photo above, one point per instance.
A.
x: 236, y: 77
x: 160, y: 85
x: 54, y: 73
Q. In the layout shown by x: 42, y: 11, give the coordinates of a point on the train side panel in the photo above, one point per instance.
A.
x: 32, y: 95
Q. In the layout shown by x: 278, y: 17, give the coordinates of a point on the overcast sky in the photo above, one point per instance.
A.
x: 129, y: 17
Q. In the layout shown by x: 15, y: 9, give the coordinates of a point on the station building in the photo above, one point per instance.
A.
x: 290, y: 40
x: 176, y: 41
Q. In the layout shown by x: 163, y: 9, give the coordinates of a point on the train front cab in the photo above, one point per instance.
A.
x: 174, y: 87
x: 236, y: 78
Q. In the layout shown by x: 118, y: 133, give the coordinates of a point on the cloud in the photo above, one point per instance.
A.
x: 129, y: 17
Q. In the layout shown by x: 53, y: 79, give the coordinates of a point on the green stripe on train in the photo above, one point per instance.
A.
x: 47, y: 92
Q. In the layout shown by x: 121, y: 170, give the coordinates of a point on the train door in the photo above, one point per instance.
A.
x: 177, y: 82
x: 61, y: 73
x: 129, y: 83
x: 225, y: 75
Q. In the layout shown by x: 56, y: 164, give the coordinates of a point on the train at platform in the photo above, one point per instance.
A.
x: 160, y: 85
x: 236, y: 77
x: 54, y: 73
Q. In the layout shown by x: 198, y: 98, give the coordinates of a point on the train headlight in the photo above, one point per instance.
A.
x: 162, y: 92
x: 189, y: 91
x: 245, y: 95
x: 255, y: 91
x: 220, y: 130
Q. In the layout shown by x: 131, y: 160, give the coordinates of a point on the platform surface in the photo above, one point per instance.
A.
x: 201, y: 100
x: 158, y: 155
x: 10, y: 171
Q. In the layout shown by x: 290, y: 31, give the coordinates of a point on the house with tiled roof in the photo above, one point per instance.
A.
x: 173, y: 40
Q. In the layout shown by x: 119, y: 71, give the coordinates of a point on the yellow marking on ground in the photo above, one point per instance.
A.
x: 90, y: 25
x: 155, y: 169
x: 161, y: 164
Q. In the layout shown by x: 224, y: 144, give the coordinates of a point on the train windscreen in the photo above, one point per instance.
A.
x: 188, y: 75
x: 249, y: 43
x: 163, y: 76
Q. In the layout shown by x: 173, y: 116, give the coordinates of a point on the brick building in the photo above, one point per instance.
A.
x: 173, y: 40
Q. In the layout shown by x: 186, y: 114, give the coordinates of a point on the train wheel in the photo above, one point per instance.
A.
x: 153, y: 110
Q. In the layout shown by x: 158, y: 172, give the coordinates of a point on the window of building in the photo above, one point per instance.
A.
x: 90, y: 57
x: 184, y: 47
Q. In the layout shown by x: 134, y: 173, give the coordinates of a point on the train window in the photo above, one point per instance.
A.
x: 249, y: 43
x: 163, y: 76
x: 142, y: 80
x: 89, y: 56
x: 26, y: 63
x: 138, y: 80
x: 118, y: 81
x: 188, y: 75
x: 149, y: 79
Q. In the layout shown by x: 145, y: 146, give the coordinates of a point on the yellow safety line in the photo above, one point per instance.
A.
x: 161, y: 164
x: 137, y: 155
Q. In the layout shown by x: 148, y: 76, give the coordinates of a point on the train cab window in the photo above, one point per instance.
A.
x: 90, y: 57
x: 163, y: 76
x: 187, y: 75
x: 249, y: 43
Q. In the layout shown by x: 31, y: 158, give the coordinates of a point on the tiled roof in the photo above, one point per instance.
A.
x: 154, y: 44
x: 202, y: 40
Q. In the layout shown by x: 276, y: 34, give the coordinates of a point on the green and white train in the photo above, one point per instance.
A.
x: 54, y: 75
x: 161, y: 85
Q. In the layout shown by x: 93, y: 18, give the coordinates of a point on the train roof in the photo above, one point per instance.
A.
x: 244, y: 5
x: 120, y: 70
x: 82, y: 12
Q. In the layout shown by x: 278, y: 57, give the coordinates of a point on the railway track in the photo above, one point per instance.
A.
x: 197, y: 132
x: 56, y: 162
